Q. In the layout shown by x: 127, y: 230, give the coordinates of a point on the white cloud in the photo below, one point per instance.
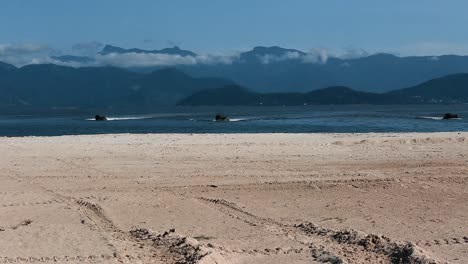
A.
x: 23, y: 49
x: 269, y: 58
x: 24, y: 54
x: 128, y: 60
x: 149, y: 59
x: 217, y: 58
x: 316, y: 56
x: 143, y: 60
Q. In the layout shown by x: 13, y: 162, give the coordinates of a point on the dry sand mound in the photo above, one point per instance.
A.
x: 331, y: 246
x: 184, y: 250
x: 396, y: 252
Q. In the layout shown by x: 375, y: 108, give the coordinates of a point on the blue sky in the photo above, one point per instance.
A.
x: 414, y: 27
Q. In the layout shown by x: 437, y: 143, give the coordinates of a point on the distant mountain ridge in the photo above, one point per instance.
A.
x: 375, y: 73
x: 72, y: 58
x: 50, y: 86
x: 277, y: 69
x: 6, y: 66
x: 447, y: 89
x: 236, y: 95
x: 452, y: 89
x: 108, y: 49
x: 259, y: 53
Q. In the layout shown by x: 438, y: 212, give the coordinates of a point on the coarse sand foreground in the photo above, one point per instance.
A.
x: 235, y: 198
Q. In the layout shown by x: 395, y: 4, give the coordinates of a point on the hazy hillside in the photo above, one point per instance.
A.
x: 448, y: 89
x: 236, y: 95
x: 49, y: 86
x: 6, y: 66
x: 52, y: 86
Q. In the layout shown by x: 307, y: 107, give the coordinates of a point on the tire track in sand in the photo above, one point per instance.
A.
x: 119, y: 241
x: 443, y: 241
x: 326, y: 245
x: 51, y: 201
x: 56, y: 259
x: 129, y: 247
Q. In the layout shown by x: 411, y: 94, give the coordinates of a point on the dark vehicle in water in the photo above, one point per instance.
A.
x: 450, y: 116
x: 100, y: 118
x: 220, y: 117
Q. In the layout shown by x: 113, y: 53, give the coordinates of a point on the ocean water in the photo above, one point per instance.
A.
x: 259, y: 119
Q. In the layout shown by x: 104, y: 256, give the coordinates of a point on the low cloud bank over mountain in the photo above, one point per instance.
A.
x: 96, y: 54
x: 263, y: 69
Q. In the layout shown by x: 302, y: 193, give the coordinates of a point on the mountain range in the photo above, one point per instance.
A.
x: 276, y: 69
x: 236, y: 95
x: 376, y: 73
x: 450, y: 89
x: 108, y: 49
x: 263, y: 75
x: 49, y: 87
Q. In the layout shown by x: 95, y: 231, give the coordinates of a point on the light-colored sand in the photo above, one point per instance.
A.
x: 240, y: 198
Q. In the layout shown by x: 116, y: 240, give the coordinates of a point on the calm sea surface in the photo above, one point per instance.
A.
x: 304, y: 119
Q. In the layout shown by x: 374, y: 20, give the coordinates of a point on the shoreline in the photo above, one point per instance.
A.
x: 243, y: 133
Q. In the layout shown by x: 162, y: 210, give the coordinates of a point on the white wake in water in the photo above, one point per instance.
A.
x: 237, y: 119
x: 436, y: 118
x: 431, y: 117
x: 232, y: 120
x: 123, y: 118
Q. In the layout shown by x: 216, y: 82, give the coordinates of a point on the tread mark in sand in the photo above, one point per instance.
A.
x: 60, y: 259
x: 326, y: 245
x: 129, y: 247
x: 444, y: 241
x: 51, y: 201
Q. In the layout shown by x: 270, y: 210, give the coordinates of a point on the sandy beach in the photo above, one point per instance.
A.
x: 235, y: 198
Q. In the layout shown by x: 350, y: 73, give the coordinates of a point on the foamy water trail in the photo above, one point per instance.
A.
x: 238, y: 119
x: 431, y: 117
x: 436, y: 118
x: 123, y: 118
x: 232, y: 120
